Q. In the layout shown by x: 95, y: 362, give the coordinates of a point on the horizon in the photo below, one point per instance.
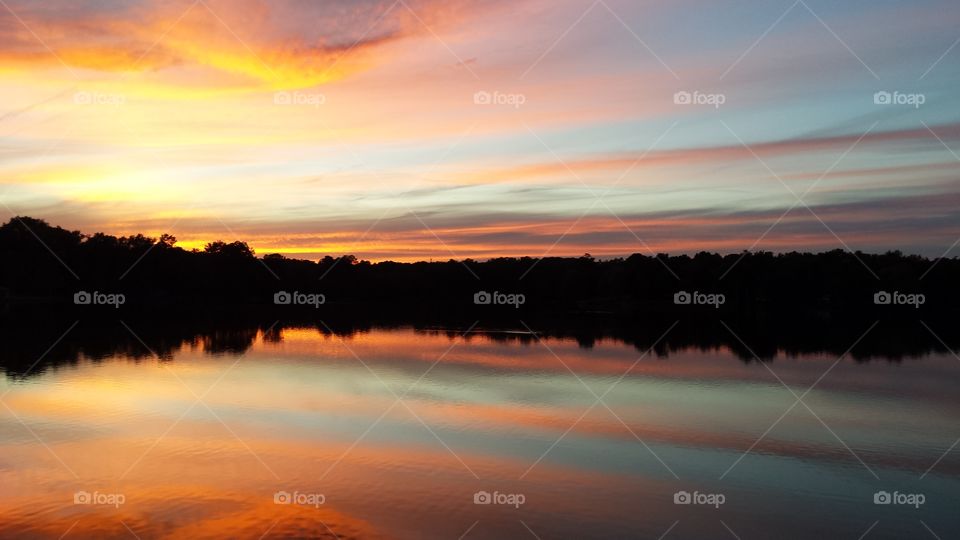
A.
x: 205, y: 247
x: 419, y: 129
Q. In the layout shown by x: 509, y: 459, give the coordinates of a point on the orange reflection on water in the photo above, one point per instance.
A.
x: 319, y: 414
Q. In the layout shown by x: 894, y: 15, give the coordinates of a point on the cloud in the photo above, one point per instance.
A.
x: 925, y: 224
x: 199, y: 125
x: 622, y: 162
x: 275, y: 44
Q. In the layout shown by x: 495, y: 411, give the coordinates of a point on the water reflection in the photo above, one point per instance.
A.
x: 200, y: 439
x: 31, y: 345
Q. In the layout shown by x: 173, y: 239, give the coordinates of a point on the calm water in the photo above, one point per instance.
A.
x: 201, y: 445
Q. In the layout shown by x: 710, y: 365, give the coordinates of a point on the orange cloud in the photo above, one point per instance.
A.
x: 250, y: 43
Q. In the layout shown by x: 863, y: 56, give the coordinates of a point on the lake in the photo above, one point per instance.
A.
x: 403, y: 433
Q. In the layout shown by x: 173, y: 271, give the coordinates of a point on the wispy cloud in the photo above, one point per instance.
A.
x: 496, y: 124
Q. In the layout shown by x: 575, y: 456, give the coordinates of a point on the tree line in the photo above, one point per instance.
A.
x: 42, y: 263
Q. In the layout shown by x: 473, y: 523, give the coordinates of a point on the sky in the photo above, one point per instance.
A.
x: 438, y: 129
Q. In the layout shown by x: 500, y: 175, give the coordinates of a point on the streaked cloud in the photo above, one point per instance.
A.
x: 455, y: 129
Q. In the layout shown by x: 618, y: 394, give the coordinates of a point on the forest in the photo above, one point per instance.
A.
x: 44, y: 264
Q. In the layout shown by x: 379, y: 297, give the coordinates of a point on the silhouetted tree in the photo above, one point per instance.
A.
x: 40, y: 262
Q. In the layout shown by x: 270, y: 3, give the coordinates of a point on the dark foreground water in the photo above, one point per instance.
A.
x: 406, y: 434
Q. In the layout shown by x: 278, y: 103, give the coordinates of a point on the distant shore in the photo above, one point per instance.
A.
x: 48, y: 265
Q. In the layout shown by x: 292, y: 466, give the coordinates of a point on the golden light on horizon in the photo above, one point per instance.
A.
x: 295, y: 115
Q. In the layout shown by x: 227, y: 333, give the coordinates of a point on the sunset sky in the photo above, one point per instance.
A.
x: 419, y: 129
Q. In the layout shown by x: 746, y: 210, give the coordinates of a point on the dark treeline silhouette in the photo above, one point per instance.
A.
x: 40, y: 263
